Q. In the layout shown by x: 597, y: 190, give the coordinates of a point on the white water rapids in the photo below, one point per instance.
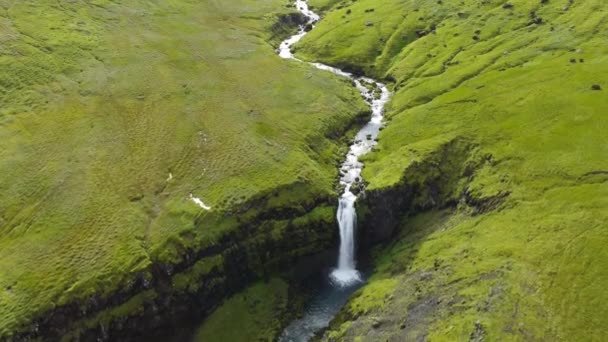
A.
x: 328, y: 298
x: 376, y: 95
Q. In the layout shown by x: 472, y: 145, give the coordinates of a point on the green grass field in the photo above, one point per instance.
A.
x: 113, y: 113
x: 517, y: 83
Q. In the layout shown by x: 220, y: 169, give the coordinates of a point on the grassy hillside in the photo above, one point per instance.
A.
x: 498, y: 125
x: 113, y: 113
x: 258, y: 312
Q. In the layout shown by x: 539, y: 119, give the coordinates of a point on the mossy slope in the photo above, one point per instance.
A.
x: 255, y: 314
x: 113, y: 113
x: 518, y: 256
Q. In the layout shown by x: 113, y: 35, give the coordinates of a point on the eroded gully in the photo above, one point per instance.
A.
x: 333, y: 291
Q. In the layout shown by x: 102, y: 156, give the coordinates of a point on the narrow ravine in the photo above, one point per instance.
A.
x: 333, y: 293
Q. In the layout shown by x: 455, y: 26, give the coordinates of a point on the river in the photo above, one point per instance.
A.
x: 333, y: 291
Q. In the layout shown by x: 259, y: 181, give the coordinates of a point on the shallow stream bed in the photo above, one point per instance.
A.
x: 331, y: 291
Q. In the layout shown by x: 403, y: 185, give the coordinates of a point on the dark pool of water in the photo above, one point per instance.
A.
x: 326, y: 301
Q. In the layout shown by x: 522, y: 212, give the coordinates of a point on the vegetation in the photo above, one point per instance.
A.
x: 255, y: 314
x: 513, y: 247
x: 488, y: 185
x: 113, y: 113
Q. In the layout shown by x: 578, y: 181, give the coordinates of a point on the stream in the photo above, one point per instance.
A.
x: 332, y: 291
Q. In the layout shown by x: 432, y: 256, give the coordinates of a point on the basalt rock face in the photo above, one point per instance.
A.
x: 170, y: 298
x: 384, y: 213
x: 285, y: 25
x: 436, y: 180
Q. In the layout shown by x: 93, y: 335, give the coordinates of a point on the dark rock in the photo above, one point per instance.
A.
x: 426, y: 276
x: 386, y: 207
x: 596, y: 87
x: 421, y: 33
x: 478, y: 333
x: 136, y: 197
x: 293, y: 19
x: 537, y: 21
x: 287, y: 22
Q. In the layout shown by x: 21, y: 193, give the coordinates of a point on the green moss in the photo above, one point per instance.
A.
x: 192, y: 279
x: 372, y: 296
x: 320, y: 6
x: 254, y: 314
x: 339, y: 334
x: 321, y: 215
x: 133, y: 307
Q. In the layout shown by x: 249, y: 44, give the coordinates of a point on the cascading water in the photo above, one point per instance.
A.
x: 346, y: 273
x: 376, y: 95
x: 345, y: 278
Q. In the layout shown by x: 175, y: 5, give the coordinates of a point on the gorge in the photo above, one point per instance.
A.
x: 345, y: 278
x: 209, y: 171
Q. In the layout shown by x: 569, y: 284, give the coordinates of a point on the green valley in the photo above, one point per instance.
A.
x: 165, y: 175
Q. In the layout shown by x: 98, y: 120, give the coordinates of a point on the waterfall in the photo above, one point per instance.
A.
x: 346, y: 273
x: 347, y: 220
x: 376, y: 95
x: 344, y: 278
